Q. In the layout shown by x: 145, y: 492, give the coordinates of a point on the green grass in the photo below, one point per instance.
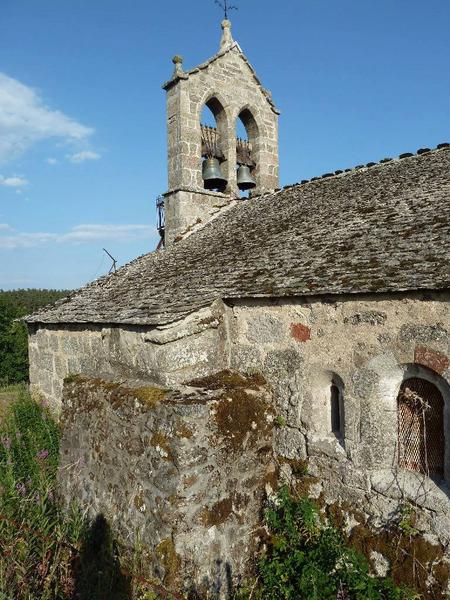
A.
x: 9, y: 394
x: 38, y: 540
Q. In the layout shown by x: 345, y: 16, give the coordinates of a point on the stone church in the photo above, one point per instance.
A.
x: 307, y: 325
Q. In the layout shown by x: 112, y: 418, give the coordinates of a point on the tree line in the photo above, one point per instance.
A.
x: 13, y: 334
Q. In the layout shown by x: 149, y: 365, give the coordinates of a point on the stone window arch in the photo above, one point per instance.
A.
x: 421, y: 432
x: 328, y: 410
x: 214, y: 131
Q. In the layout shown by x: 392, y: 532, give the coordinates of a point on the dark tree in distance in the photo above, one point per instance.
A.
x: 13, y: 334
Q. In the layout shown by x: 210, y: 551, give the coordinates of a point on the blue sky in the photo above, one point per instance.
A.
x: 82, y: 112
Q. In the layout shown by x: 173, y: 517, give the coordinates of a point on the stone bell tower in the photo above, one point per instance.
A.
x: 230, y: 88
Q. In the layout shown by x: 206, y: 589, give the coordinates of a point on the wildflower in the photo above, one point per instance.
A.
x: 6, y: 441
x: 21, y: 489
x: 42, y: 454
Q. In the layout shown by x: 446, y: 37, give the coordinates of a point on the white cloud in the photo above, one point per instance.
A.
x: 26, y: 120
x: 13, y: 181
x: 78, y: 234
x: 84, y: 155
x: 51, y: 161
x: 25, y: 240
x: 87, y: 233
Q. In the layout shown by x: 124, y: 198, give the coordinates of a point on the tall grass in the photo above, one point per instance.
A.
x: 38, y: 540
x: 48, y: 552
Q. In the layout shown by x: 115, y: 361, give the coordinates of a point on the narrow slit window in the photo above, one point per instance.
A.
x: 335, y: 410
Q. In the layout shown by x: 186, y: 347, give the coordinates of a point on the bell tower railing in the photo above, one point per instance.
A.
x: 160, y: 220
x: 211, y: 148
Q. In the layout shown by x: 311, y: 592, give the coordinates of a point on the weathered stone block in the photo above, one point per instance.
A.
x: 187, y: 466
x: 264, y: 329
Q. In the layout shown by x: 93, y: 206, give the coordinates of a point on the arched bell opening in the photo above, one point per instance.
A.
x: 213, y: 125
x: 247, y: 139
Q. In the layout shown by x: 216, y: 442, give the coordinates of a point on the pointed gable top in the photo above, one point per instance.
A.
x: 227, y: 44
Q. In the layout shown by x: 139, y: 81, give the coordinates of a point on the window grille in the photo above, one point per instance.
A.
x: 421, y: 439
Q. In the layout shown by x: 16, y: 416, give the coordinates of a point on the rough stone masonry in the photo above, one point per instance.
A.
x: 334, y: 291
x: 187, y: 468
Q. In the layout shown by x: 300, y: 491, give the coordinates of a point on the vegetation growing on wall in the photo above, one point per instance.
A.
x: 13, y: 334
x: 307, y: 558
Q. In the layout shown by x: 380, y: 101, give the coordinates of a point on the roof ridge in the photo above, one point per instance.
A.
x: 381, y: 163
x: 239, y: 201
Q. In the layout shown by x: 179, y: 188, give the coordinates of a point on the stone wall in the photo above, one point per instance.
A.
x: 185, y: 469
x: 367, y: 345
x: 189, y: 348
x: 370, y: 344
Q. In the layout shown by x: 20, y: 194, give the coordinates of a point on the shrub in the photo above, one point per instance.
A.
x: 307, y: 558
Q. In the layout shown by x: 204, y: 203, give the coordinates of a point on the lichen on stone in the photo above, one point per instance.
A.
x: 229, y: 380
x: 218, y: 513
x: 242, y: 418
x: 162, y: 445
x: 170, y: 560
x: 150, y: 396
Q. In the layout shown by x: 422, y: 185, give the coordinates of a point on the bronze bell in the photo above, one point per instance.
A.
x: 245, y: 180
x: 212, y: 175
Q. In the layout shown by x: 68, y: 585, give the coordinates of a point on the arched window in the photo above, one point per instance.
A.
x: 326, y: 415
x: 421, y: 441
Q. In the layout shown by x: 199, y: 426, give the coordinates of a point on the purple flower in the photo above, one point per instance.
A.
x: 21, y: 489
x: 6, y: 441
x: 42, y: 454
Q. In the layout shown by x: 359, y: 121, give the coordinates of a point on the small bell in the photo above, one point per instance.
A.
x: 245, y: 180
x: 212, y: 175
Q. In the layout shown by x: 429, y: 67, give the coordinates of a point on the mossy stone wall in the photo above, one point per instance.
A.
x: 186, y: 469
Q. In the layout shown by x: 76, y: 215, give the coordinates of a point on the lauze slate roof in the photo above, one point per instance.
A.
x: 383, y: 228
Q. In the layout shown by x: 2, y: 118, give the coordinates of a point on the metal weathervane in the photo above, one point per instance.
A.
x: 225, y: 7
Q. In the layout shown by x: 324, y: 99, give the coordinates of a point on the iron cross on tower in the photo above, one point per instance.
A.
x: 225, y: 7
